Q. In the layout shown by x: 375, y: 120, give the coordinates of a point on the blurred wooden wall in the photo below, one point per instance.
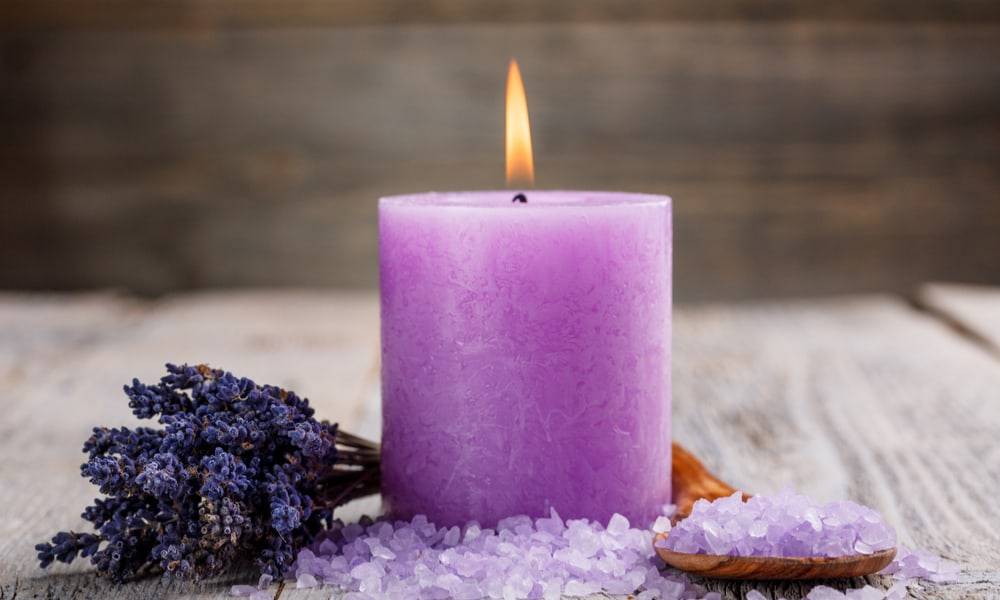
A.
x: 811, y: 147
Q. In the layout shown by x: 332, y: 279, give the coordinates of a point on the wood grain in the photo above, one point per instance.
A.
x: 861, y: 397
x: 804, y: 157
x: 321, y: 345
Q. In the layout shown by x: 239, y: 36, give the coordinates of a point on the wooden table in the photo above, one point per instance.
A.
x: 889, y: 402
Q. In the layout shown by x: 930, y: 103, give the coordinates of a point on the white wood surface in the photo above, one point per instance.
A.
x: 864, y: 398
x: 973, y: 309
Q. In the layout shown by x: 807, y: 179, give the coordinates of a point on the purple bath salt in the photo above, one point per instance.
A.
x: 790, y: 524
x: 546, y: 559
x: 254, y: 593
x: 549, y: 558
x: 919, y: 563
x: 785, y: 524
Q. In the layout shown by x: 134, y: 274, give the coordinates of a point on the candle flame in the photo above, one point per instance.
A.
x: 520, y: 163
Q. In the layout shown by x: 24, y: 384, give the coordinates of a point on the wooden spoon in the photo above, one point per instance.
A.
x: 692, y: 481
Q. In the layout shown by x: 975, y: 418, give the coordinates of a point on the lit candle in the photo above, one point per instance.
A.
x: 525, y: 350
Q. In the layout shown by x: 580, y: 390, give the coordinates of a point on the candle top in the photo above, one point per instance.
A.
x: 504, y: 199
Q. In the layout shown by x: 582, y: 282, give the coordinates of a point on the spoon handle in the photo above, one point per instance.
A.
x: 691, y: 482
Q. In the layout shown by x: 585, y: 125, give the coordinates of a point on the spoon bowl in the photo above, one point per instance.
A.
x: 693, y: 482
x: 775, y: 567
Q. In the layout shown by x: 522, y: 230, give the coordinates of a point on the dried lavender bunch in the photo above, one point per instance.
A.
x: 237, y: 470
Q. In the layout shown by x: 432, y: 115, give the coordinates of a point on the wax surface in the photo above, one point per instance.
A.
x: 525, y: 355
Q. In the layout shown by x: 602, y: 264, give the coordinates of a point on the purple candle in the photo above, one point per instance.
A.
x: 525, y: 355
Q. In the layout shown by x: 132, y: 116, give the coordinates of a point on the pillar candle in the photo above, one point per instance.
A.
x: 525, y: 355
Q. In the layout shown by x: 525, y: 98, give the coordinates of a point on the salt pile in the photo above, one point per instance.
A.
x: 785, y: 524
x: 789, y: 524
x: 544, y: 558
x: 549, y: 558
x: 921, y: 564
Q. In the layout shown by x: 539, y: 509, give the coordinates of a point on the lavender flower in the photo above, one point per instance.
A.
x: 236, y: 470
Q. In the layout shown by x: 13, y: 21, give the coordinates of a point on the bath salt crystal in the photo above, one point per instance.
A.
x: 618, y: 524
x: 898, y: 591
x: 822, y: 592
x: 863, y: 548
x: 919, y: 563
x: 453, y: 536
x: 865, y: 593
x: 472, y: 531
x: 552, y: 589
x: 785, y: 524
x: 380, y: 551
x: 242, y: 591
x: 545, y: 558
x: 661, y: 525
x: 465, y: 590
x: 584, y: 540
x: 305, y: 580
x: 264, y: 582
x: 581, y: 588
x: 352, y: 531
x: 572, y: 557
x: 553, y: 525
x: 366, y: 570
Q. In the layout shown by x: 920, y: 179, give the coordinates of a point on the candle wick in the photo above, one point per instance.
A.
x: 520, y: 198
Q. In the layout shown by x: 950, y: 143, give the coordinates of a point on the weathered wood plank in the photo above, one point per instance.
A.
x: 804, y: 157
x: 48, y: 326
x: 973, y: 310
x: 322, y: 345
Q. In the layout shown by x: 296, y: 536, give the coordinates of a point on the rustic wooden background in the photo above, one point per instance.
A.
x: 811, y: 147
